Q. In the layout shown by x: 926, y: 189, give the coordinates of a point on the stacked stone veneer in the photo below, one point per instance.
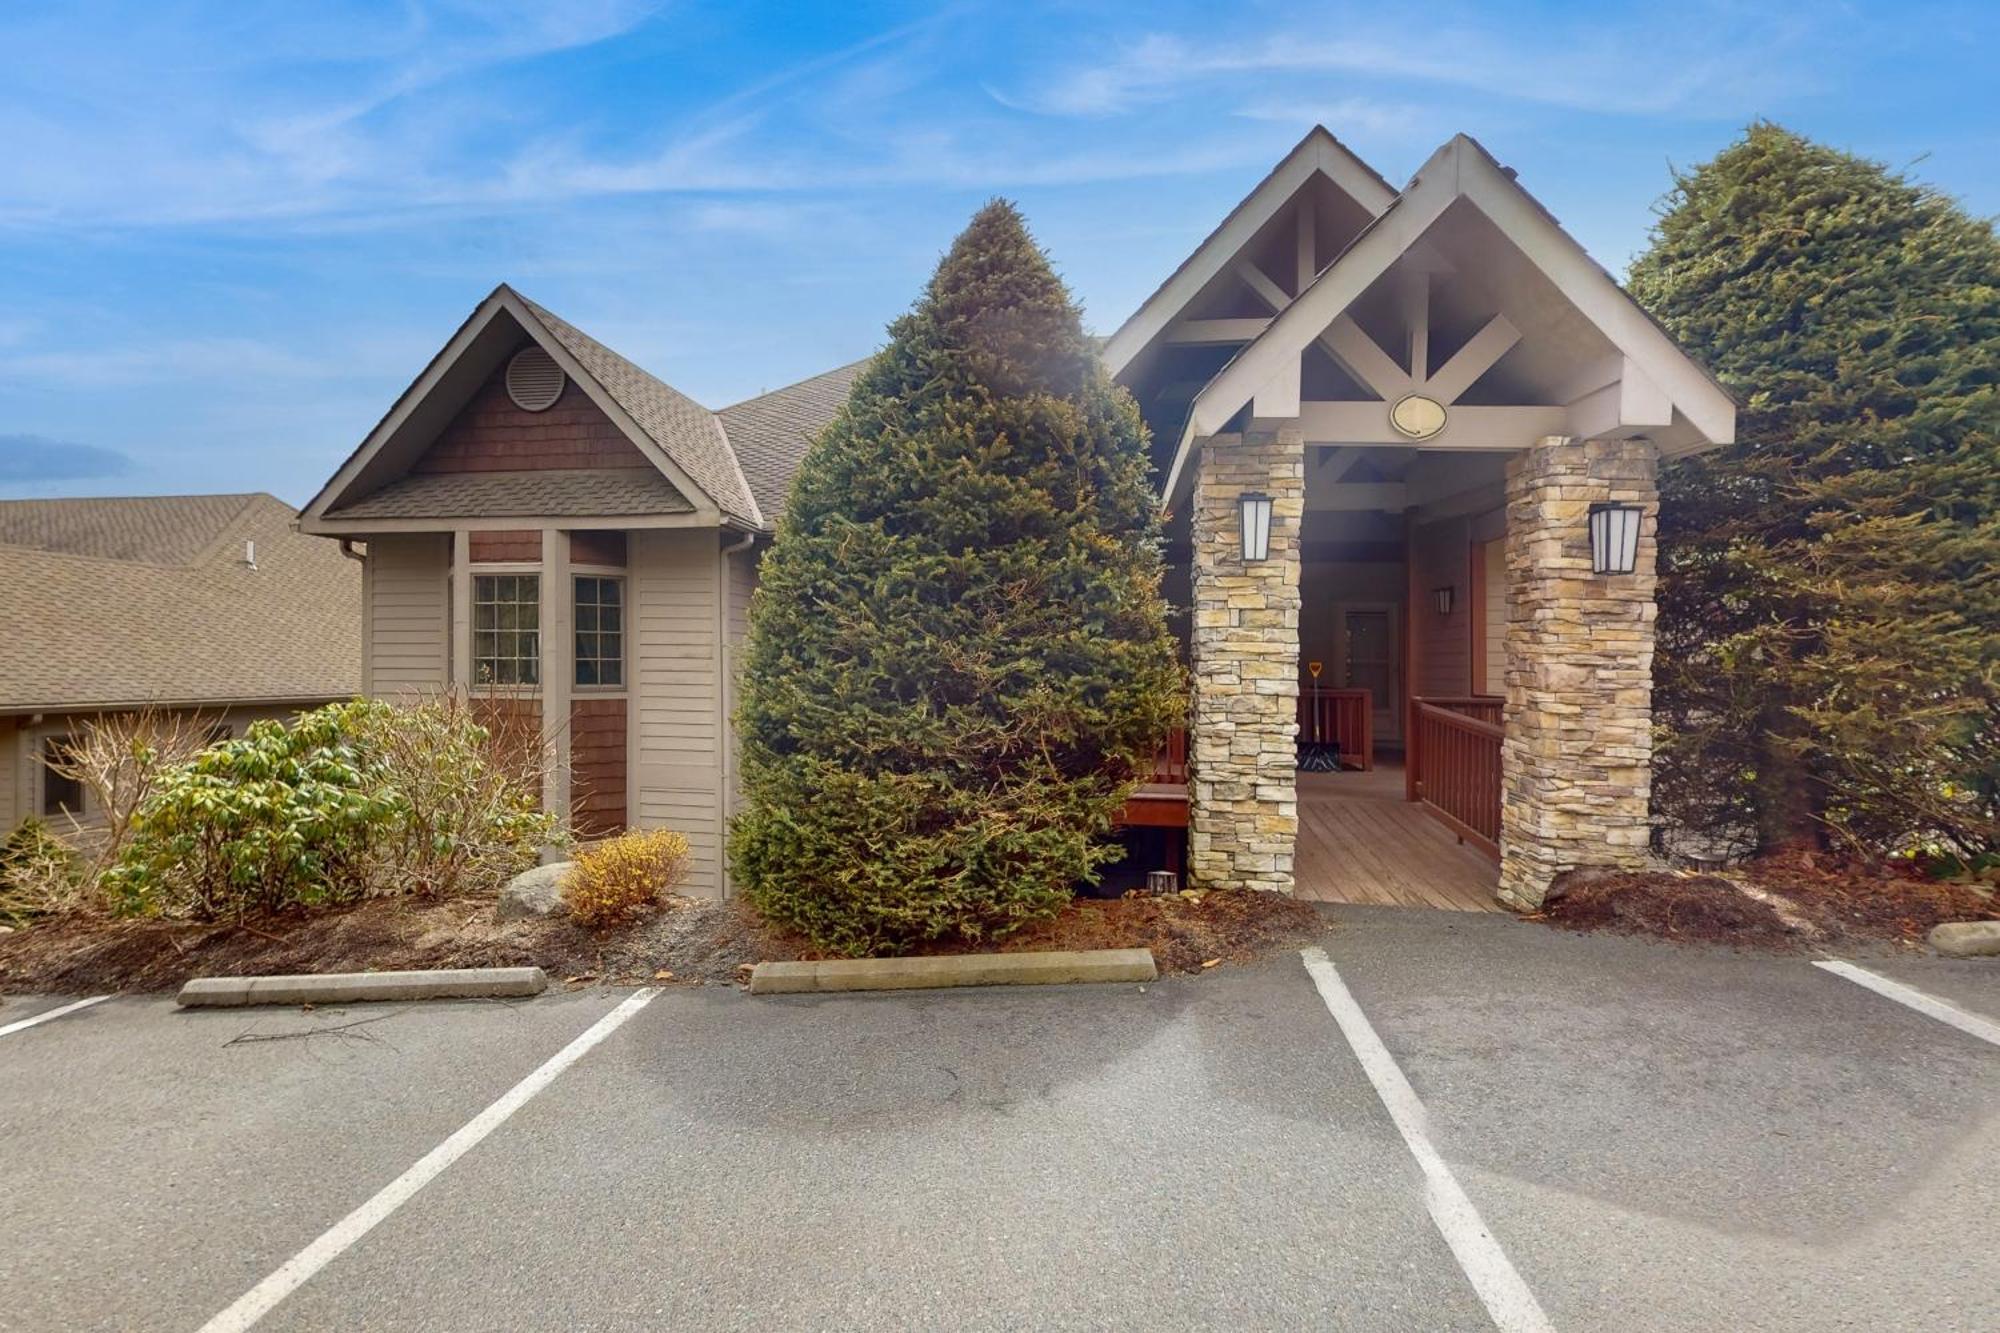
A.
x: 1577, y: 756
x: 1244, y: 815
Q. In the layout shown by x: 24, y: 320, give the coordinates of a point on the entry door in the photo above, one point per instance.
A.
x: 1369, y: 660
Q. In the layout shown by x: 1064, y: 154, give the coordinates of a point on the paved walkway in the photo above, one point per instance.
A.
x: 1649, y: 1137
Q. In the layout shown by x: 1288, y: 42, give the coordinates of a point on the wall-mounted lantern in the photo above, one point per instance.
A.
x: 1254, y: 515
x: 1614, y: 538
x: 1443, y: 597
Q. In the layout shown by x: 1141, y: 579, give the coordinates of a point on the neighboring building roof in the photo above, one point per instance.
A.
x: 771, y: 432
x: 613, y: 492
x: 149, y: 600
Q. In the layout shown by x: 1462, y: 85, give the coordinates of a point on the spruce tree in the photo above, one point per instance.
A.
x: 1829, y: 661
x: 958, y: 662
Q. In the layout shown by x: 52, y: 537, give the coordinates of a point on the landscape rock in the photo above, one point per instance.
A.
x: 1967, y: 939
x: 536, y: 892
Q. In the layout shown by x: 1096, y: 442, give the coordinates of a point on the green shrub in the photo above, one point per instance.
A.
x: 958, y: 659
x: 349, y: 800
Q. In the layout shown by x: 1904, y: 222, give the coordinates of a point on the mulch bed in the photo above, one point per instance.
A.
x: 1789, y: 902
x: 687, y: 941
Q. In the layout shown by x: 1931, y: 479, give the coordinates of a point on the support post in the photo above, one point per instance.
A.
x: 1243, y: 817
x: 1577, y: 755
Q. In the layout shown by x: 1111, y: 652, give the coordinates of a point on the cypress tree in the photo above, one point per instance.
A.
x: 958, y: 661
x: 1829, y: 662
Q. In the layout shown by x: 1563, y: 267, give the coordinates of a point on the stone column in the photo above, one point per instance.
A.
x: 1577, y: 757
x: 1244, y: 815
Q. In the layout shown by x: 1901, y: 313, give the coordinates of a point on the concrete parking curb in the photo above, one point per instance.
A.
x: 978, y: 969
x: 360, y: 987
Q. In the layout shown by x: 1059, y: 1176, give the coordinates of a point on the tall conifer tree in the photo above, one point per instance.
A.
x: 1830, y: 606
x: 958, y: 660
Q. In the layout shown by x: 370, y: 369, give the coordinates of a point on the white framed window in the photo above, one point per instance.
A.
x: 506, y: 629
x: 600, y: 631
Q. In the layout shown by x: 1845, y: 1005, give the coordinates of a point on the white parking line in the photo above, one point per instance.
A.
x: 296, y: 1271
x: 1512, y: 1306
x: 1944, y: 1011
x: 47, y: 1014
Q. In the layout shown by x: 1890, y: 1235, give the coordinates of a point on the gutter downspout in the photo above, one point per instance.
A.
x: 725, y: 696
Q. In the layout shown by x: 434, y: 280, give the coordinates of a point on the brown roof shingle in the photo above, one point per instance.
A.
x: 112, y: 602
x: 771, y: 432
x: 551, y: 493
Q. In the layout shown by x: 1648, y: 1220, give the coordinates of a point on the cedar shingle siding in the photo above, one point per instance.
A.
x: 493, y: 435
x: 597, y: 766
x: 503, y: 547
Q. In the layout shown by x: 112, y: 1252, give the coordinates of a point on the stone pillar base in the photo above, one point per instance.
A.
x: 1244, y: 814
x: 1578, y: 752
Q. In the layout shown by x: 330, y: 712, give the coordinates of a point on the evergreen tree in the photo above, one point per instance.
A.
x: 1829, y: 653
x: 958, y: 661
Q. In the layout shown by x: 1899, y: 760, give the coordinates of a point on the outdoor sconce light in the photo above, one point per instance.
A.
x: 1254, y: 512
x: 1443, y: 597
x: 1614, y: 538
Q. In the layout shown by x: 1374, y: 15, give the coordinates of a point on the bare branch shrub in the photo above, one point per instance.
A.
x: 117, y: 759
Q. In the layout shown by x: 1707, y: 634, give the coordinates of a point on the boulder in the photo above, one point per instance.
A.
x: 536, y: 892
x: 1967, y: 939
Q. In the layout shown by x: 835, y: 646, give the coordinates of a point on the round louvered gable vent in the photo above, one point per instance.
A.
x: 534, y: 380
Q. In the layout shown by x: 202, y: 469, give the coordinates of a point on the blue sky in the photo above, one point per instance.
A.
x: 231, y: 233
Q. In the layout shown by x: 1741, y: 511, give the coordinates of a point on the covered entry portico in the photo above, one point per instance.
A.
x: 1389, y: 417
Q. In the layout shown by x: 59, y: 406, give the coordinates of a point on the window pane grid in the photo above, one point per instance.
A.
x: 506, y: 629
x: 600, y: 631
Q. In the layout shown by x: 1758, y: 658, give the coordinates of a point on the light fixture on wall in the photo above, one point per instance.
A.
x: 1254, y: 517
x: 1442, y: 596
x: 1614, y: 538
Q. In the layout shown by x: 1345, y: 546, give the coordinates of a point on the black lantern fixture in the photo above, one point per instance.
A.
x: 1443, y: 596
x: 1614, y: 538
x: 1254, y: 514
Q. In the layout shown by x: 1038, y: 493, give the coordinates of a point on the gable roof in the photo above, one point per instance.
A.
x: 1704, y: 412
x: 130, y: 601
x: 771, y: 432
x: 1318, y: 153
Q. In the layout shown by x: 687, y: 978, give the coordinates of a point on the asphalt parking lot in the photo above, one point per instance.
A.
x: 1623, y: 1135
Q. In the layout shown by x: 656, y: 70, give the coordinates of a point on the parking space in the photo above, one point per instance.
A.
x: 1657, y: 1137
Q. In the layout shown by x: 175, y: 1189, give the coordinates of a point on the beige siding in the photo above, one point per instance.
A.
x: 677, y: 591
x: 11, y: 810
x: 742, y: 586
x: 1496, y: 618
x: 407, y: 621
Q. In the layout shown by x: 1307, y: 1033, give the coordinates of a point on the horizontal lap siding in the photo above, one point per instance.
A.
x: 676, y: 688
x: 1496, y: 619
x: 1441, y: 554
x: 742, y: 587
x: 408, y: 613
x: 11, y: 812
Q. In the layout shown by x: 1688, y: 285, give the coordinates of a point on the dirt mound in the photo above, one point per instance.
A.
x: 1789, y: 901
x: 687, y: 940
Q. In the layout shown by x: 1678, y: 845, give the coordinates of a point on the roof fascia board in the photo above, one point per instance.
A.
x: 1318, y: 153
x: 704, y: 503
x: 420, y: 388
x: 361, y: 527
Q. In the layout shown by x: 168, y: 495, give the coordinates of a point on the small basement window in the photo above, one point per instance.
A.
x: 600, y: 630
x: 506, y: 629
x: 61, y: 794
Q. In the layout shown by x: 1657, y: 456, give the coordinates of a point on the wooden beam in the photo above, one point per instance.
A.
x: 1208, y: 332
x: 1466, y: 428
x: 1493, y: 341
x: 1361, y: 495
x: 1362, y: 358
x: 1417, y: 320
x: 1308, y: 240
x: 1261, y: 283
x: 1632, y: 404
x: 1279, y: 398
x: 1337, y: 463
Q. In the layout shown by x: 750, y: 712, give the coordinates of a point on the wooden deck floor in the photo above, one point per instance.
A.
x: 1361, y: 842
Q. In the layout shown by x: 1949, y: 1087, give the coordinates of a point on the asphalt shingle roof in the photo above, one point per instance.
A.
x: 770, y: 433
x: 685, y: 431
x: 128, y: 601
x: 583, y: 493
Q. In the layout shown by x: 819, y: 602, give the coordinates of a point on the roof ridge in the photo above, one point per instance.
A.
x: 787, y: 388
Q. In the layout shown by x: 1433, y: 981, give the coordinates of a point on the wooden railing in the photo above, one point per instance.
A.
x: 1452, y: 765
x: 1170, y: 761
x: 1341, y: 718
x: 1161, y: 801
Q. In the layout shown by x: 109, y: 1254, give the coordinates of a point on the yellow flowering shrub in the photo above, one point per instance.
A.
x: 623, y: 876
